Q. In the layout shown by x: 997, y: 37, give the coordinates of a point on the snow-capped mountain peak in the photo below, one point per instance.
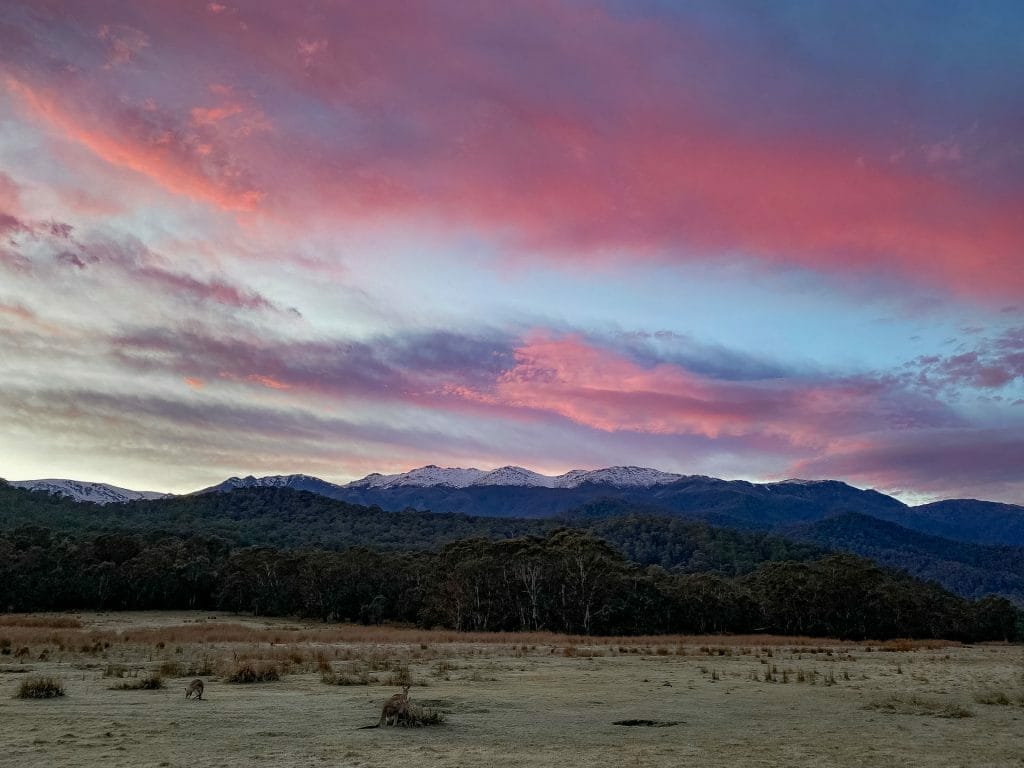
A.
x: 620, y: 477
x: 514, y: 476
x: 457, y: 477
x: 268, y: 481
x: 430, y: 475
x: 79, y: 490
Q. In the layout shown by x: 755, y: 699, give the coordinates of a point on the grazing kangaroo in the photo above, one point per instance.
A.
x: 394, y: 708
x: 196, y: 687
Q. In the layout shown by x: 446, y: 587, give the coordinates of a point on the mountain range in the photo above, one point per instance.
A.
x: 521, y: 493
x: 648, y: 516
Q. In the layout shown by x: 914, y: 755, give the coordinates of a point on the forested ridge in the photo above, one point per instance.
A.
x: 566, y: 581
x: 970, y: 570
x: 282, y: 552
x: 282, y: 517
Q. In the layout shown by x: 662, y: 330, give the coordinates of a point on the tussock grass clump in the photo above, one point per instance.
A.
x: 333, y: 678
x: 912, y: 704
x: 247, y: 672
x: 149, y: 683
x: 40, y: 688
x: 172, y: 669
x: 401, y: 675
x: 1000, y: 698
x: 203, y: 667
x: 420, y: 717
x: 115, y: 670
x: 442, y: 668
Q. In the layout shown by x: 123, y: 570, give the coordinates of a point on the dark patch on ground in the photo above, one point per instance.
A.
x: 648, y: 723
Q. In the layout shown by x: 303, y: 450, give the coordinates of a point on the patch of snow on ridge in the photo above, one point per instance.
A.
x: 98, y: 493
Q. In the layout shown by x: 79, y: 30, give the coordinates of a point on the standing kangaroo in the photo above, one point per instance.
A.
x: 196, y: 687
x: 395, y: 708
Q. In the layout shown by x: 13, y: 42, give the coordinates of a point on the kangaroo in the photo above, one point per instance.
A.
x: 393, y: 710
x: 396, y: 707
x: 196, y: 687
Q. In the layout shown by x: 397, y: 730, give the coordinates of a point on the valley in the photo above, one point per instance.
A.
x: 523, y: 700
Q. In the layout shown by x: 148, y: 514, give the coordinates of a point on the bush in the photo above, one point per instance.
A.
x: 418, y: 717
x: 898, y: 704
x: 40, y: 688
x: 149, y: 683
x: 998, y: 697
x: 172, y: 669
x: 252, y: 673
x: 201, y: 668
x: 115, y: 670
x: 400, y: 676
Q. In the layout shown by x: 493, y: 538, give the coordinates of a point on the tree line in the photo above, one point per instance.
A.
x: 563, y: 581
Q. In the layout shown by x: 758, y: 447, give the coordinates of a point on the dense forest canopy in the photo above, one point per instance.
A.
x: 566, y: 581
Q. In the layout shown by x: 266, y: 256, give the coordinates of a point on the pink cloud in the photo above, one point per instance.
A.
x: 125, y: 43
x: 583, y: 147
x: 143, y: 141
x: 10, y: 196
x: 568, y: 377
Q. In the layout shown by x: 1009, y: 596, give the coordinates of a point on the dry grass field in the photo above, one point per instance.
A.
x: 529, y: 700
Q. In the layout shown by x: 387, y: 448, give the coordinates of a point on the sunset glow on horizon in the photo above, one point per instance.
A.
x: 747, y: 240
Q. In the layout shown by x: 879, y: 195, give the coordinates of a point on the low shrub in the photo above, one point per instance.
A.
x: 919, y: 705
x: 115, y: 670
x: 149, y: 683
x: 333, y: 678
x: 172, y: 669
x: 248, y: 672
x: 418, y: 717
x: 203, y: 667
x: 997, y: 697
x: 400, y: 676
x: 40, y: 688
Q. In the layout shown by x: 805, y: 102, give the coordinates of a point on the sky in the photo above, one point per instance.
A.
x: 753, y: 240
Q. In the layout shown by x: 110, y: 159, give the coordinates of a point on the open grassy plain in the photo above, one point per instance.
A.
x: 507, y: 700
